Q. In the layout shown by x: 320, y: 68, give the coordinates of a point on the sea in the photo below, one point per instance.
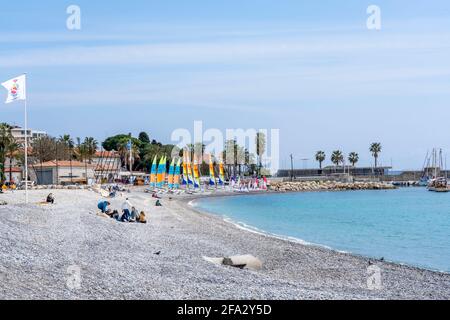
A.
x: 408, y: 225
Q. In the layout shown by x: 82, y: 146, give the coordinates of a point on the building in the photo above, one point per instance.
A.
x: 107, y: 165
x: 62, y: 172
x: 333, y: 170
x: 13, y: 174
x: 19, y: 134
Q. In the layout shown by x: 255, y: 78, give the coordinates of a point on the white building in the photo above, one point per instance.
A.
x: 19, y: 134
x: 62, y: 172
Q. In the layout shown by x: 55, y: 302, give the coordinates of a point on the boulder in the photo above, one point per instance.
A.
x: 241, y: 262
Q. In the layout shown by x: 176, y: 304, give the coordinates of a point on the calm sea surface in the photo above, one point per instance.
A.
x: 409, y: 225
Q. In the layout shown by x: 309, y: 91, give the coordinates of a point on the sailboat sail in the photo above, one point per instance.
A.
x: 176, y: 176
x: 153, y: 172
x: 171, y: 174
x: 189, y: 172
x: 212, y: 178
x: 185, y: 171
x: 221, y: 174
x: 160, y: 174
x: 196, y: 175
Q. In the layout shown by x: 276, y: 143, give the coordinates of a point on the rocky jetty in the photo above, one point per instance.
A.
x: 329, y: 185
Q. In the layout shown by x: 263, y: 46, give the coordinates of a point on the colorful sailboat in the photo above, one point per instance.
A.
x: 160, y: 173
x: 221, y: 174
x: 212, y: 178
x: 185, y: 172
x: 171, y: 174
x: 177, y: 175
x: 196, y: 175
x: 153, y: 172
x: 189, y: 172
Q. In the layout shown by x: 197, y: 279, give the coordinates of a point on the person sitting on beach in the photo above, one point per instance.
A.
x: 103, y: 206
x: 134, y: 215
x: 155, y: 195
x: 142, y: 218
x: 126, y: 210
x: 158, y: 203
x: 50, y: 199
x: 113, y: 214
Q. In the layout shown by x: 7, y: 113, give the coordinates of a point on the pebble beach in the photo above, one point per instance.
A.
x: 42, y: 245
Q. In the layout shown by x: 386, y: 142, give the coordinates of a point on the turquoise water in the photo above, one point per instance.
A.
x: 409, y: 225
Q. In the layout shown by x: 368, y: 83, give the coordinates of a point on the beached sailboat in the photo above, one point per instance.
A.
x: 196, y: 175
x: 177, y: 174
x: 160, y: 176
x: 438, y: 183
x: 153, y: 172
x: 221, y: 174
x: 212, y: 178
x: 170, y: 178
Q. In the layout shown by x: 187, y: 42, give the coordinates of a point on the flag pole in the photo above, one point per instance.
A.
x: 26, y: 148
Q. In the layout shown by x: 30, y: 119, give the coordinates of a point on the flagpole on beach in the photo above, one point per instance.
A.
x: 26, y: 148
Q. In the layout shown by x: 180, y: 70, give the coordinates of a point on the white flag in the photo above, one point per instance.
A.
x: 16, y: 89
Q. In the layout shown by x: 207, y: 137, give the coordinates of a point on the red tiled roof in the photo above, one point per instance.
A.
x: 65, y: 163
x: 13, y: 169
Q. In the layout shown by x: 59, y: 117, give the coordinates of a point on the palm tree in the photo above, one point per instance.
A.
x: 67, y: 141
x: 260, y: 148
x: 124, y: 152
x: 11, y: 151
x: 353, y: 158
x: 337, y: 157
x: 5, y: 141
x: 375, y: 148
x: 91, y: 146
x: 320, y: 157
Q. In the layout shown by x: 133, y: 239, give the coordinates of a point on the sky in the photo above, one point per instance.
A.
x: 311, y: 69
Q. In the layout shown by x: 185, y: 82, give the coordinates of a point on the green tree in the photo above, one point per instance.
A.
x: 260, y: 148
x: 68, y: 145
x: 320, y: 157
x: 353, y: 158
x: 6, y: 139
x: 12, y: 150
x: 337, y: 157
x: 113, y: 143
x: 144, y: 138
x: 375, y: 148
x: 90, y: 146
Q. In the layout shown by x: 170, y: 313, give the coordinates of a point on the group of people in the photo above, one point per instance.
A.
x: 247, y: 185
x: 10, y: 186
x: 129, y: 212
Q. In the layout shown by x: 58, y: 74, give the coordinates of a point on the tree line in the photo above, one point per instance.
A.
x: 337, y: 156
x: 238, y: 159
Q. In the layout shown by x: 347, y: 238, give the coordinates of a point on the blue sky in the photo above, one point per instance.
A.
x: 309, y: 68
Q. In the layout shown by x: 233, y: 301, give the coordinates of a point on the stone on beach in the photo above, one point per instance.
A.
x: 242, y: 261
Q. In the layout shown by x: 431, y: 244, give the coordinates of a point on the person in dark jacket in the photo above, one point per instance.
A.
x: 103, y: 206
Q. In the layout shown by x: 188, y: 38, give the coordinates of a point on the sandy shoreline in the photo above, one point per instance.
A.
x: 41, y: 244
